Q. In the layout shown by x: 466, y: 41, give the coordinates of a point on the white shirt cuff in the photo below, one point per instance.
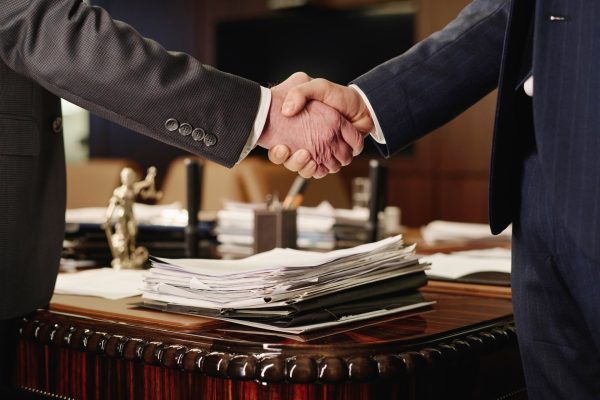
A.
x: 259, y: 122
x: 528, y: 86
x: 377, y: 135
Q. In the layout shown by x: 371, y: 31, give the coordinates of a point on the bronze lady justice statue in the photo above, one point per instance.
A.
x: 121, y: 226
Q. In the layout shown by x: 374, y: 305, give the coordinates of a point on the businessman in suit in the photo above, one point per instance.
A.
x: 51, y: 48
x: 544, y: 56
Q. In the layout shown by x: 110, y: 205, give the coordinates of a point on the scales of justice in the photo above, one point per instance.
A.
x: 121, y: 226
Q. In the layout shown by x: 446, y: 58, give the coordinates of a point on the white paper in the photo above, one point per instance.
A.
x: 245, y: 298
x: 276, y: 279
x: 454, y: 231
x: 494, y: 252
x: 272, y: 281
x: 273, y: 260
x: 104, y: 282
x: 454, y: 266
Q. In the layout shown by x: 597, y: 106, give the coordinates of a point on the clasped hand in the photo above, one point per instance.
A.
x: 314, y: 126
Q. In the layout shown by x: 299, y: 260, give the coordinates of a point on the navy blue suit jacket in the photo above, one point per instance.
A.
x: 487, y: 46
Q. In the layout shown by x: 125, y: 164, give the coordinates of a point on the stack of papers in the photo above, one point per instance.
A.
x: 322, y: 228
x: 292, y: 291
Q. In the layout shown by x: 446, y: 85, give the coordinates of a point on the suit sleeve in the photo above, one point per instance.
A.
x: 81, y: 54
x: 439, y: 77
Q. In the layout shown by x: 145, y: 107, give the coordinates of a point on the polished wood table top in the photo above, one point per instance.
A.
x: 363, y: 351
x: 464, y: 346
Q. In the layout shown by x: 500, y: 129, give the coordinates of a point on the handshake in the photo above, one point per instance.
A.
x: 314, y: 126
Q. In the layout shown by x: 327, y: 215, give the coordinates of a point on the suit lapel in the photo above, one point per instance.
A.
x: 511, y: 126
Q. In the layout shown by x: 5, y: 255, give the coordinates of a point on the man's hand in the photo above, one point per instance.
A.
x: 344, y: 99
x: 322, y: 140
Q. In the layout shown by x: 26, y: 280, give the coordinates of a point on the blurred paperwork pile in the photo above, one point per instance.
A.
x: 292, y: 291
x: 319, y: 228
x: 160, y: 230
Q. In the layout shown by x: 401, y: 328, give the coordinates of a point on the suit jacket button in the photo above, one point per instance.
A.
x: 185, y: 129
x: 210, y: 140
x: 198, y: 134
x: 172, y: 124
x: 57, y: 125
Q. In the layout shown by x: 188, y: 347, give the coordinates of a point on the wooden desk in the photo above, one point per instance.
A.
x: 84, y: 348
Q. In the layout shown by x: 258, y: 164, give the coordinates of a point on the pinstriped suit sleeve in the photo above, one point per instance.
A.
x: 439, y: 77
x: 80, y: 53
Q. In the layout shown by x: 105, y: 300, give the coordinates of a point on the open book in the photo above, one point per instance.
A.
x: 485, y: 266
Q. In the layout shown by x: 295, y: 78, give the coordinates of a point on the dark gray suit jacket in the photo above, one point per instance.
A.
x: 64, y: 48
x: 487, y: 46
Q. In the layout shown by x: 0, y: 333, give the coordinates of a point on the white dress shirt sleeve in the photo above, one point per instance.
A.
x: 377, y: 135
x: 259, y: 122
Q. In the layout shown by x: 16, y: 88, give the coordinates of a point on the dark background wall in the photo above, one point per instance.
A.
x: 444, y: 176
x: 173, y: 24
x: 256, y: 43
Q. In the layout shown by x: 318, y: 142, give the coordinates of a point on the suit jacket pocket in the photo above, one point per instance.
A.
x: 19, y: 137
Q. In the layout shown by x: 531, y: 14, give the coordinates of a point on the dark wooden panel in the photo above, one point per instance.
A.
x: 464, y: 144
x: 463, y: 198
x: 413, y: 194
x: 460, y: 150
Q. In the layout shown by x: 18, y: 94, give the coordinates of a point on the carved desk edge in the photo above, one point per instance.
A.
x: 269, y: 366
